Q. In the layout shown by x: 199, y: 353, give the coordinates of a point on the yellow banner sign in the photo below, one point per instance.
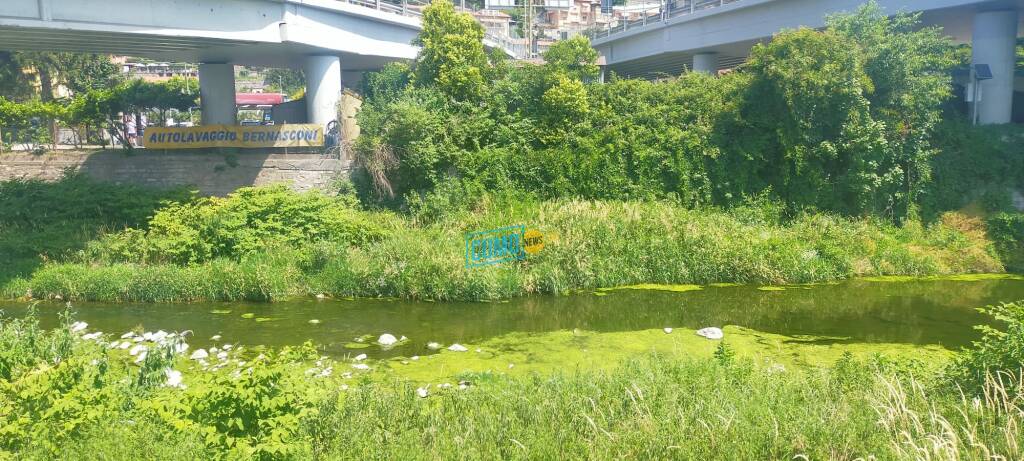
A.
x: 234, y: 136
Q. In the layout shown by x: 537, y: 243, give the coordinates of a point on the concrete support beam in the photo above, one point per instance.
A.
x: 994, y: 42
x: 323, y: 88
x: 217, y: 93
x: 706, y: 63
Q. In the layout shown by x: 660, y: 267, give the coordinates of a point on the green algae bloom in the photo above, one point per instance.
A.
x: 955, y: 278
x: 655, y: 286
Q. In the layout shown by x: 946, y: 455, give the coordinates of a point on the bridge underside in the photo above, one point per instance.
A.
x: 674, y: 64
x: 177, y: 48
x: 956, y: 23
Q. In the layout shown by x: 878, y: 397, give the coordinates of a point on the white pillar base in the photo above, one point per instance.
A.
x: 217, y: 93
x: 706, y: 63
x: 323, y: 88
x: 994, y: 42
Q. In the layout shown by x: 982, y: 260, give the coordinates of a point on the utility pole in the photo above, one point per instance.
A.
x: 529, y: 28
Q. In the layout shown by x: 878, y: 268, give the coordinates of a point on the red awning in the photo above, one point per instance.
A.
x: 256, y: 99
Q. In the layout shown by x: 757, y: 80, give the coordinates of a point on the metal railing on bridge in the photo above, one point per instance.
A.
x: 414, y: 8
x: 664, y: 11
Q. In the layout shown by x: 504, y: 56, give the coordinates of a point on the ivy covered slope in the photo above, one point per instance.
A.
x: 71, y: 392
x: 272, y: 243
x: 857, y: 119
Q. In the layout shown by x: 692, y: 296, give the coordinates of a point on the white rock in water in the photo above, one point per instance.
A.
x: 387, y: 339
x: 433, y: 346
x: 414, y: 358
x: 128, y: 335
x: 180, y: 348
x: 141, y: 357
x: 93, y: 335
x: 222, y: 356
x: 360, y: 357
x: 138, y: 348
x: 321, y: 296
x: 314, y: 321
x: 78, y: 326
x: 360, y: 366
x: 215, y: 338
x: 125, y: 345
x: 199, y: 354
x: 668, y: 330
x: 457, y: 348
x: 711, y: 333
x: 422, y: 392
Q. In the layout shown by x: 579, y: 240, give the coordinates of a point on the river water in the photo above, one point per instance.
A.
x: 918, y: 312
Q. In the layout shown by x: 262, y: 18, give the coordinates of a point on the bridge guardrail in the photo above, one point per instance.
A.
x: 664, y: 11
x: 414, y: 8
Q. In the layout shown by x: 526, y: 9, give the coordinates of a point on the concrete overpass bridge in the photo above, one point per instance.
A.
x: 328, y: 39
x: 708, y: 35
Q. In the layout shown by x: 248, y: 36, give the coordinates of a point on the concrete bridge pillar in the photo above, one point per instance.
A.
x: 994, y: 42
x: 706, y: 63
x: 323, y: 88
x: 217, y: 93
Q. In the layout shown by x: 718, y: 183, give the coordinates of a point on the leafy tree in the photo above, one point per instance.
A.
x: 287, y: 81
x: 574, y: 57
x: 909, y: 69
x: 78, y: 72
x: 452, y: 56
x: 815, y: 142
x: 14, y: 82
x: 840, y: 120
x: 388, y: 83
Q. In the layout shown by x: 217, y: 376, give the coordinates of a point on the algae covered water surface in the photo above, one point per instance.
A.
x: 937, y: 312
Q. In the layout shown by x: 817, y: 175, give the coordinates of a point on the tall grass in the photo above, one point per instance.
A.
x: 590, y: 244
x: 63, y: 396
x: 986, y: 426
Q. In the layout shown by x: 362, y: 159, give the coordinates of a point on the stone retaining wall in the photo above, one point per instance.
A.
x: 211, y: 172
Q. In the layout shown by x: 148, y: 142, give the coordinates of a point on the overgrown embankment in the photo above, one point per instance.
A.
x: 271, y: 243
x: 61, y: 389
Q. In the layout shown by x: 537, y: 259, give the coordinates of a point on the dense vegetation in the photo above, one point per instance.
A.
x: 842, y: 120
x: 66, y: 393
x: 31, y: 122
x: 825, y: 156
x: 271, y: 243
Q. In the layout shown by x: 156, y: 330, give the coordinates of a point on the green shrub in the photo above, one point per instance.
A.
x: 254, y: 414
x: 998, y: 352
x: 974, y: 164
x: 839, y: 120
x: 1007, y: 233
x: 243, y: 223
x: 56, y: 218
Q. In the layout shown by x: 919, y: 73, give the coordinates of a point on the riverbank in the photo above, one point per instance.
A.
x: 664, y: 395
x: 266, y: 244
